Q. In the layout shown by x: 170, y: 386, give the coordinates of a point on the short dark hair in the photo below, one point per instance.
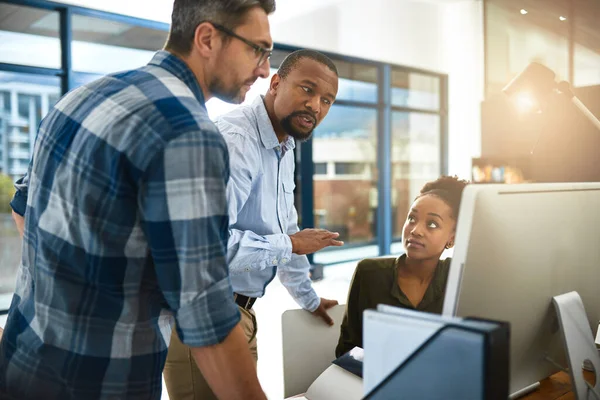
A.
x: 291, y: 60
x: 448, y: 189
x: 188, y: 14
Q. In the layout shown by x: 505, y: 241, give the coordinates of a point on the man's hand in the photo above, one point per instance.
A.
x: 321, y: 311
x: 20, y: 222
x: 308, y: 241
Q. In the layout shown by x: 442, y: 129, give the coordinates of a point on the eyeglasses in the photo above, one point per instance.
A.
x: 262, y: 53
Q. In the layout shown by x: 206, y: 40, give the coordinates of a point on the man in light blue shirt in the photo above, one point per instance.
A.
x: 264, y: 237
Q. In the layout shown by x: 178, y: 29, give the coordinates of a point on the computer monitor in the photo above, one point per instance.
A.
x: 516, y: 247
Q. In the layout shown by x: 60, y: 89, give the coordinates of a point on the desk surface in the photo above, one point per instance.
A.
x: 556, y: 387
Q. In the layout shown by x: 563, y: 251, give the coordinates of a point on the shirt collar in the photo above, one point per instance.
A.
x: 177, y: 67
x: 268, y: 136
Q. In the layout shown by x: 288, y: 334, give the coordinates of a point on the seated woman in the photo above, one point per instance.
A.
x: 417, y: 279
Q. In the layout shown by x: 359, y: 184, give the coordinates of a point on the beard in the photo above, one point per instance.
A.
x: 229, y: 94
x: 297, y: 134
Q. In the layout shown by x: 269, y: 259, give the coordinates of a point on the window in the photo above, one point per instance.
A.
x: 357, y: 82
x: 320, y: 168
x: 349, y: 168
x: 103, y: 46
x: 24, y: 100
x: 413, y: 90
x: 10, y: 244
x: 348, y: 200
x: 416, y: 160
x: 29, y: 28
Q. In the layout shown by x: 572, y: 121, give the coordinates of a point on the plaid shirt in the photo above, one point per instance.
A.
x: 126, y: 231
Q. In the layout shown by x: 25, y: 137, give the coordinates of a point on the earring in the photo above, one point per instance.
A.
x: 449, y: 245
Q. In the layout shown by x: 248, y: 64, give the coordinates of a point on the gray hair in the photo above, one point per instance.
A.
x: 188, y: 14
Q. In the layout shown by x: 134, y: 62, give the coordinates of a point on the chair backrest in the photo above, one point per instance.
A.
x: 308, y: 347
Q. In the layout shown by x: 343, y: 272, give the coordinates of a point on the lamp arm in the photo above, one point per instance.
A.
x: 585, y: 111
x: 565, y: 89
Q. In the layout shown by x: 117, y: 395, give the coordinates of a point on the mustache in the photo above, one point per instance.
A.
x: 308, y: 114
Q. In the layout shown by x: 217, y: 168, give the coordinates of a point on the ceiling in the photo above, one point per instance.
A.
x: 546, y: 14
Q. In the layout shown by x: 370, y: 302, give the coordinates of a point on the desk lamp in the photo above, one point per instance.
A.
x: 533, y: 87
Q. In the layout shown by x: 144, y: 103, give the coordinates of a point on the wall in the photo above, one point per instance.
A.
x: 386, y: 30
x: 463, y: 59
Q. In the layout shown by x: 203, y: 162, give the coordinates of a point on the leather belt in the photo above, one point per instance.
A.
x: 244, y: 301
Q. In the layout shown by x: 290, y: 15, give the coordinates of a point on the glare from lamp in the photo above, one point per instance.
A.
x: 525, y: 103
x: 523, y: 11
x: 562, y: 18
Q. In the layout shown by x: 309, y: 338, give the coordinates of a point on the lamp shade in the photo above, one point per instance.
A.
x: 536, y: 81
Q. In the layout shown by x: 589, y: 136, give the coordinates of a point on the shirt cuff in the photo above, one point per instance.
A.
x: 19, y: 203
x: 209, y: 318
x: 309, y: 302
x: 280, y: 249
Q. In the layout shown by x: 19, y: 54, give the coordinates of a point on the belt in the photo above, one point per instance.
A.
x: 244, y: 301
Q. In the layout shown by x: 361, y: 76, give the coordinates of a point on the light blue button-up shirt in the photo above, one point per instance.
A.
x: 260, y: 194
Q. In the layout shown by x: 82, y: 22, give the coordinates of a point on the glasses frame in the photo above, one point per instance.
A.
x: 263, y: 53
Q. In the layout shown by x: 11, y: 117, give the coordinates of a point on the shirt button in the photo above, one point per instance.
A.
x: 274, y: 261
x: 284, y: 260
x: 247, y: 269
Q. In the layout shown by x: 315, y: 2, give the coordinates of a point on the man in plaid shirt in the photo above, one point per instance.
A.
x: 125, y: 222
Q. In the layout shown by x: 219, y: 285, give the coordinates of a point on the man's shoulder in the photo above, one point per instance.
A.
x: 240, y: 121
x: 174, y: 100
x: 139, y: 112
x: 239, y: 128
x: 166, y: 100
x: 147, y: 89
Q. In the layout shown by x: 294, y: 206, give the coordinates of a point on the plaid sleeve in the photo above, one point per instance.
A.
x: 184, y: 215
x: 19, y: 200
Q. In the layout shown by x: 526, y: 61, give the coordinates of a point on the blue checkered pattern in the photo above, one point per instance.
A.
x: 126, y: 232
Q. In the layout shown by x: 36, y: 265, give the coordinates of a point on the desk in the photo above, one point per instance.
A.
x: 555, y: 387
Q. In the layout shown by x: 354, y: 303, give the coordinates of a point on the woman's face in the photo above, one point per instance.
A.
x: 429, y: 227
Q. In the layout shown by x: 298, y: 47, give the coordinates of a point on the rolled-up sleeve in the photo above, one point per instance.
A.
x: 19, y: 200
x: 184, y: 215
x: 295, y: 277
